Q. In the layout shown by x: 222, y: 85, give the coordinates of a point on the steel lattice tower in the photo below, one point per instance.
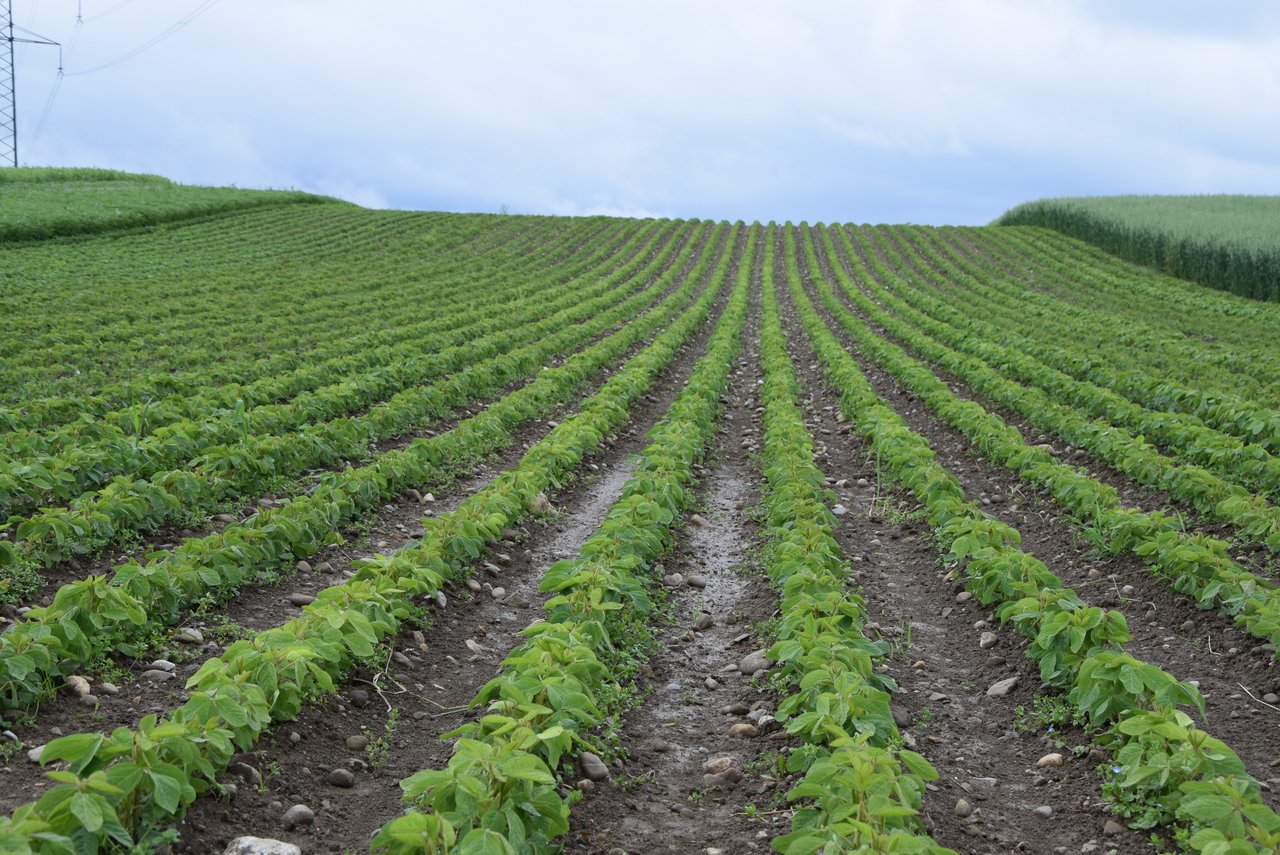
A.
x: 8, y: 89
x: 9, y: 82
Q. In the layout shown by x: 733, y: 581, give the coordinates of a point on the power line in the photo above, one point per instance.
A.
x: 8, y: 79
x: 152, y: 42
x: 110, y: 10
x: 57, y: 86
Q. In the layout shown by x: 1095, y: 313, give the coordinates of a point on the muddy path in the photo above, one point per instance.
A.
x: 687, y: 785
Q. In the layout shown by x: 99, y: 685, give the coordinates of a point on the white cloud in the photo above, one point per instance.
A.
x: 818, y: 110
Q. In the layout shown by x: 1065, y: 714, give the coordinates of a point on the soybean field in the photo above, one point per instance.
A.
x: 405, y: 532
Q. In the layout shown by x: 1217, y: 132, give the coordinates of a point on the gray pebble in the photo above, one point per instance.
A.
x: 298, y: 815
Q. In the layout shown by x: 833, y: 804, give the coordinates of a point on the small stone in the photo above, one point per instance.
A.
x: 1044, y: 811
x: 359, y: 698
x: 296, y: 816
x: 34, y: 754
x: 78, y: 685
x: 754, y: 661
x: 357, y: 742
x: 155, y: 675
x: 725, y: 779
x: 226, y: 518
x: 540, y: 504
x: 1127, y: 591
x: 249, y: 773
x: 476, y: 647
x: 1049, y: 760
x: 673, y: 580
x: 1271, y: 698
x: 839, y: 510
x: 295, y: 737
x: 704, y: 623
x: 964, y: 597
x: 300, y: 599
x: 341, y: 778
x: 963, y: 808
x: 1188, y: 626
x: 89, y: 700
x: 189, y: 635
x: 1002, y: 687
x: 260, y: 846
x: 737, y: 709
x: 711, y: 683
x: 1112, y: 828
x: 988, y: 640
x: 697, y: 520
x: 586, y: 785
x: 593, y: 768
x: 716, y: 765
x: 696, y: 581
x: 499, y: 593
x: 863, y: 482
x: 474, y: 586
x: 162, y: 665
x: 108, y: 688
x: 303, y: 566
x: 743, y: 730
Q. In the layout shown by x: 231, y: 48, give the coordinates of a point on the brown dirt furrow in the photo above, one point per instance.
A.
x: 432, y: 676
x: 1167, y: 629
x: 260, y: 606
x: 943, y: 675
x: 1231, y: 667
x: 660, y: 798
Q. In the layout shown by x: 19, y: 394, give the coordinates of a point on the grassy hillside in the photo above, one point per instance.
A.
x: 1227, y: 242
x: 39, y: 203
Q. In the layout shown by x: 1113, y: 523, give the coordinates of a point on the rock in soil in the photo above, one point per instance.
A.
x: 260, y: 846
x: 1002, y: 687
x: 78, y: 685
x: 743, y: 729
x: 1049, y: 760
x: 593, y: 768
x: 718, y: 765
x: 296, y: 816
x: 357, y: 742
x: 342, y: 778
x: 753, y: 662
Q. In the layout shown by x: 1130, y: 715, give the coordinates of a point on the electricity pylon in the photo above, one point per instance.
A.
x: 8, y: 82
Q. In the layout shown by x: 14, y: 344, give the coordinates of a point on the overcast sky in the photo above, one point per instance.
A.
x: 919, y: 111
